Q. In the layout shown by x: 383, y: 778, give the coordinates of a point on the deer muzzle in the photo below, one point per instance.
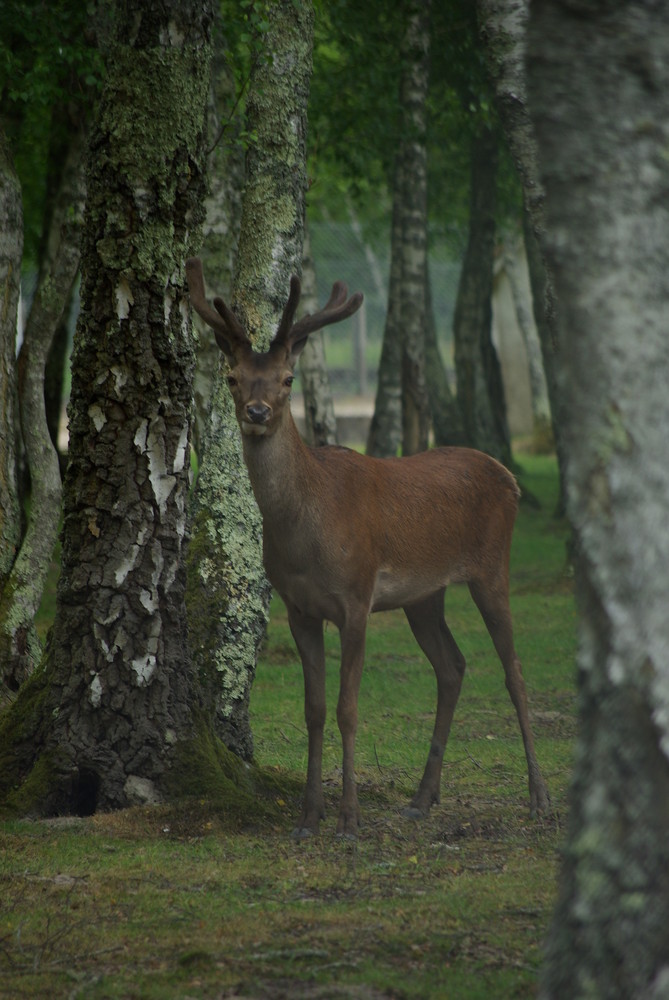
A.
x: 257, y: 418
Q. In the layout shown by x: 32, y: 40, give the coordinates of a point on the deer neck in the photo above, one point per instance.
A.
x: 278, y: 467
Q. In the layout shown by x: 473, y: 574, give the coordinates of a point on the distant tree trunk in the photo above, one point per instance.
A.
x: 598, y: 76
x: 503, y: 27
x: 225, y: 171
x: 413, y: 97
x: 385, y: 430
x: 106, y: 720
x: 11, y: 250
x: 444, y: 410
x: 480, y: 390
x: 321, y: 423
x: 228, y: 594
x: 515, y: 263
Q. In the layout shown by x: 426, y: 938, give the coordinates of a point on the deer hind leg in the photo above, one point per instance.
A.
x: 352, y: 660
x: 434, y: 637
x: 493, y: 603
x: 308, y: 635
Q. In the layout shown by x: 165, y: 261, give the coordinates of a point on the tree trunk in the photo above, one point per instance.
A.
x: 20, y: 648
x: 321, y: 423
x: 228, y: 594
x: 598, y: 76
x: 480, y: 390
x: 503, y: 27
x: 413, y: 97
x: 515, y: 263
x: 104, y: 722
x: 225, y: 172
x: 11, y: 250
x: 444, y: 410
x: 385, y: 430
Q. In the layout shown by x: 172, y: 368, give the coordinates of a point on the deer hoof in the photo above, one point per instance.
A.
x: 301, y: 833
x: 414, y: 813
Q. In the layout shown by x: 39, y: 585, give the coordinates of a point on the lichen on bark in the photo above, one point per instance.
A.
x: 226, y: 576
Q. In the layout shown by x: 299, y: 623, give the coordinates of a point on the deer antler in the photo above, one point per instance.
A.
x: 335, y: 309
x: 228, y: 331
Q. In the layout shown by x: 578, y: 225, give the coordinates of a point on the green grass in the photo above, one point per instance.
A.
x: 170, y: 903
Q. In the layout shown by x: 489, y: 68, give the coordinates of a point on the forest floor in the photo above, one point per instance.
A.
x: 184, y: 902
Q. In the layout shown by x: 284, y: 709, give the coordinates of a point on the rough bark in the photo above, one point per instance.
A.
x: 11, y: 250
x: 320, y: 420
x: 228, y: 596
x: 413, y: 98
x: 480, y: 390
x: 103, y: 723
x: 598, y: 75
x: 503, y: 29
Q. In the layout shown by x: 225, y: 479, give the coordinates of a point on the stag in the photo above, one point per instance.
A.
x: 345, y: 535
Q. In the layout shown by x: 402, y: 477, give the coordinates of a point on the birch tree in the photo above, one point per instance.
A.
x: 114, y: 710
x: 228, y: 596
x: 598, y: 76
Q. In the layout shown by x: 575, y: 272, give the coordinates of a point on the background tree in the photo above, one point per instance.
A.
x: 11, y: 246
x: 51, y: 71
x: 503, y: 26
x: 228, y: 598
x: 598, y: 75
x: 480, y: 392
x: 105, y: 720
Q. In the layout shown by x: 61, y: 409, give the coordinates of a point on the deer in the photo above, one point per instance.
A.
x: 345, y: 535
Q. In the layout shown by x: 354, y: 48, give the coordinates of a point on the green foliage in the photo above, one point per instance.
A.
x: 50, y: 72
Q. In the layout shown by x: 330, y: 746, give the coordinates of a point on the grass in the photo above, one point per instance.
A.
x: 168, y: 902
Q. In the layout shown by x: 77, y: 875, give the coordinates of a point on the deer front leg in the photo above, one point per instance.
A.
x: 434, y: 637
x: 352, y: 659
x: 308, y: 635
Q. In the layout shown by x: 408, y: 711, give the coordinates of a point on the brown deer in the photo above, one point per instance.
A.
x: 345, y: 535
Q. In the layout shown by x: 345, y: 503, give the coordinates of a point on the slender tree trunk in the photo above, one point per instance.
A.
x: 385, y: 430
x: 503, y: 28
x: 107, y: 719
x: 415, y: 78
x: 20, y: 648
x: 321, y: 423
x: 515, y: 263
x: 598, y: 76
x: 11, y: 250
x: 479, y: 381
x: 68, y: 205
x: 444, y: 410
x: 228, y: 596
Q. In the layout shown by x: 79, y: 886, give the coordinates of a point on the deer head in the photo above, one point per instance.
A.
x: 260, y: 382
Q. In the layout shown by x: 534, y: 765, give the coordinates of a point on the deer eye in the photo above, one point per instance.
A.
x: 231, y: 380
x: 288, y: 381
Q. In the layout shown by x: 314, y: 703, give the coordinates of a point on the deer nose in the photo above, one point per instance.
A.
x: 258, y: 413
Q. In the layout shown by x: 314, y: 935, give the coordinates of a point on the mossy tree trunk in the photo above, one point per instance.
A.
x: 100, y: 724
x: 20, y: 648
x: 223, y: 205
x: 11, y: 250
x: 228, y: 594
x: 480, y: 390
x: 598, y: 76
